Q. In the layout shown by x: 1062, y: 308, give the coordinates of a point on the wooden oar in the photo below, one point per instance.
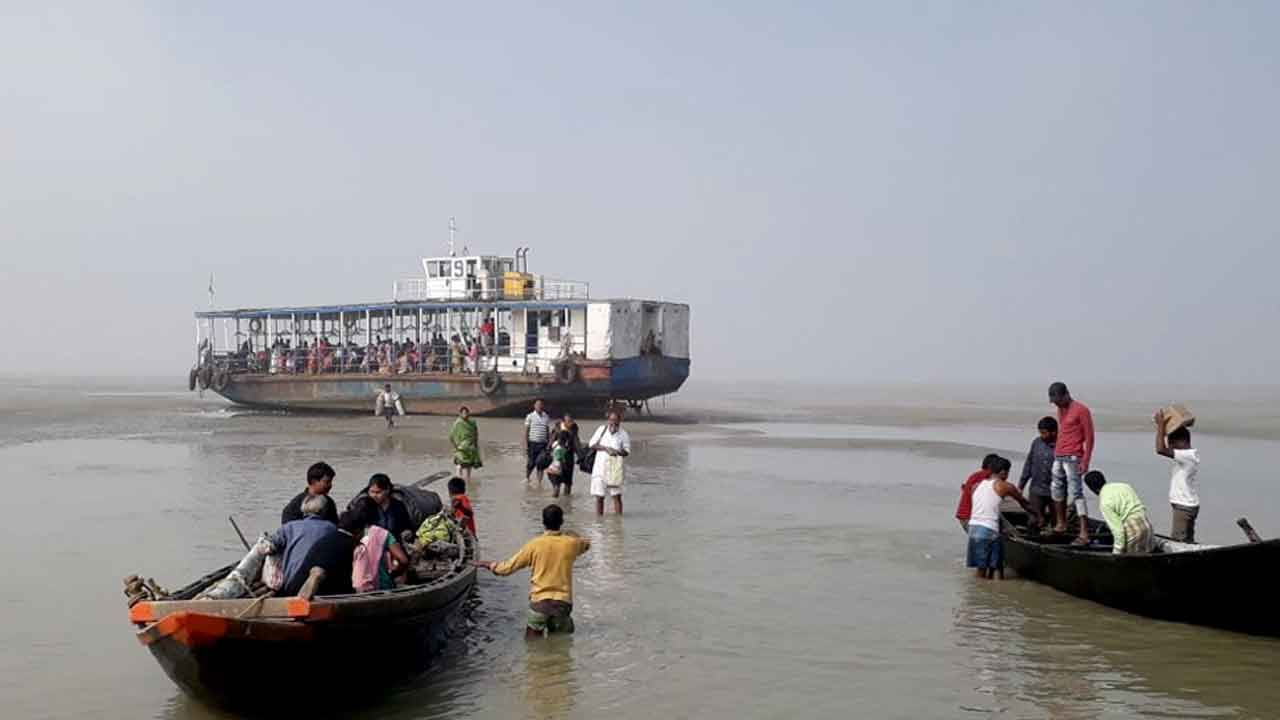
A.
x: 1248, y: 531
x: 232, y: 520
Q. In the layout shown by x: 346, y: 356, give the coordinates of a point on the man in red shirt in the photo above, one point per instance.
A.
x: 965, y: 507
x: 1072, y: 454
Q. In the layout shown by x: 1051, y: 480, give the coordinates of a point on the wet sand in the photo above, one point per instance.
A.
x: 764, y: 568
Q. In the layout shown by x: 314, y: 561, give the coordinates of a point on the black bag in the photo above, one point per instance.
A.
x: 588, y: 461
x: 543, y: 461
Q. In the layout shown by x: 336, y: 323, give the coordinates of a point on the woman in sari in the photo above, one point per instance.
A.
x: 465, y: 437
x: 377, y: 557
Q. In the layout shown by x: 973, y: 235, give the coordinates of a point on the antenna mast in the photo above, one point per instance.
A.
x: 453, y: 228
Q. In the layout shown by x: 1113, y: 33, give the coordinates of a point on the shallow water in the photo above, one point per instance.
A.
x: 762, y: 569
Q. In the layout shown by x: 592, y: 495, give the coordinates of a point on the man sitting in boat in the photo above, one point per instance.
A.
x: 319, y: 483
x: 314, y: 542
x: 1124, y: 512
x: 551, y: 557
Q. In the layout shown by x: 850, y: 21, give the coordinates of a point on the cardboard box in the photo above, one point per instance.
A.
x: 1176, y: 416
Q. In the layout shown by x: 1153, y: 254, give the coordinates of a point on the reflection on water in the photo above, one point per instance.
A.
x: 549, y: 677
x: 1075, y: 659
x: 774, y: 579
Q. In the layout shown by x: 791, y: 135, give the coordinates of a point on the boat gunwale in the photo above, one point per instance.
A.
x: 321, y: 607
x: 1071, y: 551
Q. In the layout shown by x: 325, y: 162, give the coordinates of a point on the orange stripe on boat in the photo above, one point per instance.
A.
x: 190, y: 629
x: 298, y: 608
x: 141, y: 613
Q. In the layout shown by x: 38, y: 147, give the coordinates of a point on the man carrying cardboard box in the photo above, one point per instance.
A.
x: 1173, y: 440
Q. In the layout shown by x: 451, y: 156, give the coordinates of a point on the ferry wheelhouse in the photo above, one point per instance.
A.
x: 479, y: 330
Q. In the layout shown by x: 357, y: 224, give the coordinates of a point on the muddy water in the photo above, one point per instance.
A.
x: 799, y: 569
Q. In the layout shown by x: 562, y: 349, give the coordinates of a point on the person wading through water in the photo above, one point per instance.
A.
x: 550, y: 556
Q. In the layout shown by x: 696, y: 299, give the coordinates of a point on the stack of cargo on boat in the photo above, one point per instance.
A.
x: 533, y: 337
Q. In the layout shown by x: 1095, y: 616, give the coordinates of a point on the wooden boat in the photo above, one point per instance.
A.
x: 1225, y: 587
x: 257, y: 655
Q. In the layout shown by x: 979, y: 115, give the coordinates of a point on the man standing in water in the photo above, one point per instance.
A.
x: 537, y: 433
x: 986, y: 546
x: 550, y: 557
x: 1071, y: 455
x: 387, y: 404
x: 611, y: 444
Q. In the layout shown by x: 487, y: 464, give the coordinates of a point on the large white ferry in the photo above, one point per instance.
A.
x: 479, y: 330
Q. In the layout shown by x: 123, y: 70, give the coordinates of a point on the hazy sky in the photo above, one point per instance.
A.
x: 893, y: 191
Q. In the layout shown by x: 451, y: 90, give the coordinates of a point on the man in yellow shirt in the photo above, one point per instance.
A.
x: 551, y: 557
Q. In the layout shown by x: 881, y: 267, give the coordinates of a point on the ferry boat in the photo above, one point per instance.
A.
x: 474, y: 330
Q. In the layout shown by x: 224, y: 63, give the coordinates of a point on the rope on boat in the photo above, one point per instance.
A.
x: 137, y: 589
x: 257, y: 603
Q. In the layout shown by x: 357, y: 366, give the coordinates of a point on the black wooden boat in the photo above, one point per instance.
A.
x: 1226, y: 587
x: 266, y: 654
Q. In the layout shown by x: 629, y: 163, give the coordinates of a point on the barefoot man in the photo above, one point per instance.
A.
x: 1071, y: 455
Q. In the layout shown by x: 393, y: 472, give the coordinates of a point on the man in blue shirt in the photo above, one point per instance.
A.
x: 314, y: 542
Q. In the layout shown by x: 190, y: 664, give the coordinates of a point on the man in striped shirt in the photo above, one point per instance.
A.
x: 537, y: 432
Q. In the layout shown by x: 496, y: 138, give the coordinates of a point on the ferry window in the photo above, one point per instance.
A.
x: 471, y: 267
x: 433, y: 269
x: 445, y: 268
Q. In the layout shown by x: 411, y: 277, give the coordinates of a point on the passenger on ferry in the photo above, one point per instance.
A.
x: 314, y: 542
x: 986, y: 546
x: 487, y: 334
x: 319, y: 482
x: 439, y: 353
x: 378, y: 557
x: 1124, y: 512
x: 455, y: 354
x: 473, y: 356
x: 393, y: 516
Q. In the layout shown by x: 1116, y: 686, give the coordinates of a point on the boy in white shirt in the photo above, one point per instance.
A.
x: 1184, y: 496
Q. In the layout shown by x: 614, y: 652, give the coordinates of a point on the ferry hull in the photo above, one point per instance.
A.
x: 635, y: 379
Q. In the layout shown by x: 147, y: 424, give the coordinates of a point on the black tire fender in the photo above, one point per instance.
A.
x: 567, y: 372
x: 490, y: 382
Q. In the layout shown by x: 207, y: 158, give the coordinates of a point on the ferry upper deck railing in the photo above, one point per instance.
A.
x: 523, y: 287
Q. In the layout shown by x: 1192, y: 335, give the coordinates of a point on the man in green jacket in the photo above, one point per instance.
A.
x: 1124, y: 512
